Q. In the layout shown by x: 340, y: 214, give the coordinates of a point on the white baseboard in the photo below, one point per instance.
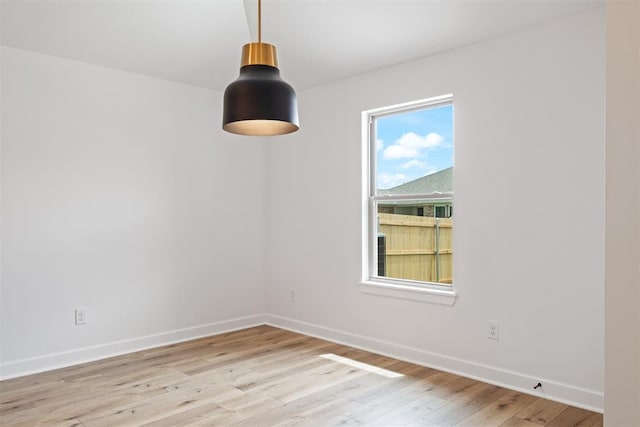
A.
x: 564, y: 393
x: 64, y: 359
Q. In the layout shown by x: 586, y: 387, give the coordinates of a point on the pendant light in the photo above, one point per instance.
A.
x: 259, y: 102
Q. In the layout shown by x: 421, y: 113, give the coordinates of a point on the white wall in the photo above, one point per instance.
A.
x: 122, y: 195
x: 622, y: 361
x: 529, y: 232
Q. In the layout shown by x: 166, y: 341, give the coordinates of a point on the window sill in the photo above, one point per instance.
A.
x: 413, y: 293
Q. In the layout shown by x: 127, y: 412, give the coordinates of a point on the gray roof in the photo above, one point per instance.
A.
x: 441, y: 181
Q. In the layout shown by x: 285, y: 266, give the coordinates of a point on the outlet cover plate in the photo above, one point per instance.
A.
x: 81, y: 316
x: 494, y: 330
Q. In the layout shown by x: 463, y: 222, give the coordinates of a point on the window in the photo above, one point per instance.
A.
x: 409, y: 194
x: 443, y: 211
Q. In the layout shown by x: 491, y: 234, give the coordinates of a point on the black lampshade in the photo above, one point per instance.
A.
x: 259, y: 102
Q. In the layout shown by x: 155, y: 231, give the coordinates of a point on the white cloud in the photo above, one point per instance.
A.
x: 386, y: 180
x: 415, y: 163
x: 410, y: 145
x: 412, y: 139
x: 400, y: 152
x: 379, y: 144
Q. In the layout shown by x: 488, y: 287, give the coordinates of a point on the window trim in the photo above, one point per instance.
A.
x: 390, y: 287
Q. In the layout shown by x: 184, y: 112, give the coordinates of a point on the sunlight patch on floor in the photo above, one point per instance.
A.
x: 364, y: 366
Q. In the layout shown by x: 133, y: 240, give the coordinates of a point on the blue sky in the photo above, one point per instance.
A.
x: 412, y: 145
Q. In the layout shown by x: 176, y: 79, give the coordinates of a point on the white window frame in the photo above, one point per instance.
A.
x: 371, y: 283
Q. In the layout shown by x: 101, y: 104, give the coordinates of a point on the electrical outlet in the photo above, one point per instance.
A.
x: 81, y: 316
x: 494, y: 330
x: 292, y: 295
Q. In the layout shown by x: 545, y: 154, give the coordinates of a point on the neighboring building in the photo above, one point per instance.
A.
x: 439, y: 183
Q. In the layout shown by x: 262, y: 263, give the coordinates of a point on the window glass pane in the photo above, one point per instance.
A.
x: 414, y: 156
x: 414, y: 247
x: 410, y: 146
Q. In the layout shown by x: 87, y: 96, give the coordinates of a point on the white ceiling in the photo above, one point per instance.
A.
x: 199, y: 41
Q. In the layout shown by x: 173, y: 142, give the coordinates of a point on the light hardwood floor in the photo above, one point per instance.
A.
x: 265, y: 376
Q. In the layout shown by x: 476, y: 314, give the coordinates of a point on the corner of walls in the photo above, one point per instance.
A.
x: 122, y: 195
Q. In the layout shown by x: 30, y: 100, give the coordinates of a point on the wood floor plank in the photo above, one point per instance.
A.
x: 265, y: 376
x: 15, y: 393
x: 518, y: 422
x: 467, y: 404
x: 15, y: 405
x: 397, y: 394
x: 412, y: 411
x: 342, y: 420
x: 211, y: 412
x: 541, y: 411
x: 576, y: 417
x: 499, y: 411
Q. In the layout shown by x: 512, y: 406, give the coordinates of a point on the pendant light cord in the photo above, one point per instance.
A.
x: 259, y: 21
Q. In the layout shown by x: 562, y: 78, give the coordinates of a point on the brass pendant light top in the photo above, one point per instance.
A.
x: 259, y: 102
x: 259, y: 54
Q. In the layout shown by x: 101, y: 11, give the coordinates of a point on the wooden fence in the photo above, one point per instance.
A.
x: 417, y: 247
